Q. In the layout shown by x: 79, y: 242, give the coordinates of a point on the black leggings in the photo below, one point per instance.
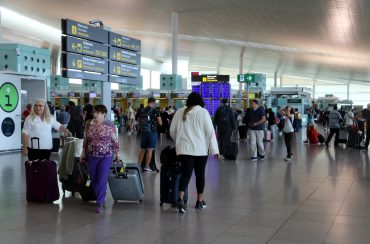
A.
x: 288, y: 143
x: 34, y: 154
x: 188, y: 163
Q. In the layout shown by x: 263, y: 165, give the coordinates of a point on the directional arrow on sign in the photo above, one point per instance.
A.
x: 249, y: 77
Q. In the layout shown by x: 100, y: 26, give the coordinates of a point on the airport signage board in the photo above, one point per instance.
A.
x: 122, y: 69
x: 84, y: 75
x: 84, y: 63
x: 294, y: 100
x: 84, y: 47
x: 77, y: 29
x: 124, y: 80
x: 123, y: 55
x: 125, y: 42
x: 210, y: 78
x: 246, y: 78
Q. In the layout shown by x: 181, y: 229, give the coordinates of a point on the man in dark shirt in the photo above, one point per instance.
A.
x: 256, y: 122
x: 87, y: 110
x: 366, y: 116
x: 225, y: 124
x: 148, y: 121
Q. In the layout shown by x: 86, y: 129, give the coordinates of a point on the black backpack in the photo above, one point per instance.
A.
x: 145, y: 123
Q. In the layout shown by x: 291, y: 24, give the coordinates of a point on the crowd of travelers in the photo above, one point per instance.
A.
x: 196, y: 135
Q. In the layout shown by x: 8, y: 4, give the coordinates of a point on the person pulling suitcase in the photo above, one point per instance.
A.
x: 101, y: 144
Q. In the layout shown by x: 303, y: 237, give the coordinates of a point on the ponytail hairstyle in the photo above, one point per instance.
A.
x: 194, y: 99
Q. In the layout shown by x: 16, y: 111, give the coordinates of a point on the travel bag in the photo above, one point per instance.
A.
x: 41, y: 179
x: 232, y: 148
x: 126, y: 184
x: 83, y: 183
x: 169, y: 184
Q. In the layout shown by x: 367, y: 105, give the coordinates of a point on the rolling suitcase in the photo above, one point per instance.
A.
x: 354, y: 139
x: 41, y: 180
x: 128, y: 185
x: 70, y: 184
x: 169, y: 184
x: 343, y: 136
x: 83, y: 183
x: 232, y: 148
x: 267, y: 135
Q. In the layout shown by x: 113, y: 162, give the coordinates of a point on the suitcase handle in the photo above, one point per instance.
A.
x: 118, y: 174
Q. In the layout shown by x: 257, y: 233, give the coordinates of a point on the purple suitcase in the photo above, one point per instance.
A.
x: 41, y: 180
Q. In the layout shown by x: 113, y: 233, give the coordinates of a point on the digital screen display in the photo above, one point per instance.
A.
x: 226, y: 90
x: 206, y: 90
x: 92, y: 94
x: 216, y: 90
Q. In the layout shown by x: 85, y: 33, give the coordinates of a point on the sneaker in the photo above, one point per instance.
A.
x: 200, y: 205
x: 99, y: 208
x: 288, y: 159
x: 261, y: 157
x: 147, y: 170
x: 181, y: 206
x: 254, y: 159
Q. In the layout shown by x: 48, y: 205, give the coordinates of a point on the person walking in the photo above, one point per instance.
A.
x: 76, y: 124
x: 148, y: 121
x: 63, y: 118
x: 225, y: 124
x: 334, y: 125
x: 37, y: 137
x: 100, y: 145
x: 256, y: 121
x: 288, y: 131
x: 195, y: 138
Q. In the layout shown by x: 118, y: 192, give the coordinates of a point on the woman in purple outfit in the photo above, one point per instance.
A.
x: 100, y: 145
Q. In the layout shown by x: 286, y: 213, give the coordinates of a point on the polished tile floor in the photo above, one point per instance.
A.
x: 323, y: 196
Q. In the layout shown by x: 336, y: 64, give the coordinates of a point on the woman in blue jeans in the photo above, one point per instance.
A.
x: 100, y: 145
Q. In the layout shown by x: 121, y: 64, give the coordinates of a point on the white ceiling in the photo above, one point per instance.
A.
x: 318, y: 39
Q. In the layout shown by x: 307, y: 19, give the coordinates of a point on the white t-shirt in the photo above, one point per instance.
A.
x: 40, y: 129
x: 349, y: 118
x: 288, y: 124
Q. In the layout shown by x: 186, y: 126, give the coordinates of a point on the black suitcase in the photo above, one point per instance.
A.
x: 71, y: 183
x: 152, y: 164
x: 169, y: 184
x: 231, y: 151
x: 83, y: 183
x: 354, y: 140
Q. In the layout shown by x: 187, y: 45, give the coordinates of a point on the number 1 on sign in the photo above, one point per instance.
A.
x: 8, y: 104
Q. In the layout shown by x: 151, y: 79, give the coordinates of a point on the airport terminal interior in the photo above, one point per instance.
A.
x: 312, y: 56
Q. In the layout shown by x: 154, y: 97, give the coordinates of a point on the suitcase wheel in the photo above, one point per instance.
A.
x: 141, y: 201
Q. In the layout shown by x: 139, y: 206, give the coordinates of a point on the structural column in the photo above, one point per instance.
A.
x: 174, y: 41
x: 314, y: 89
x: 241, y: 60
x: 275, y: 79
x: 348, y: 91
x: 1, y: 29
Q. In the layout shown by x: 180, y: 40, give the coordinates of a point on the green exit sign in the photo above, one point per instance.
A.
x: 246, y: 78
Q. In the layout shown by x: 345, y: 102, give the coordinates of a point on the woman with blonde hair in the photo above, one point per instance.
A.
x: 37, y: 137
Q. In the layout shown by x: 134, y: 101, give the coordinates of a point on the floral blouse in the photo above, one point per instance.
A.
x: 101, y: 140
